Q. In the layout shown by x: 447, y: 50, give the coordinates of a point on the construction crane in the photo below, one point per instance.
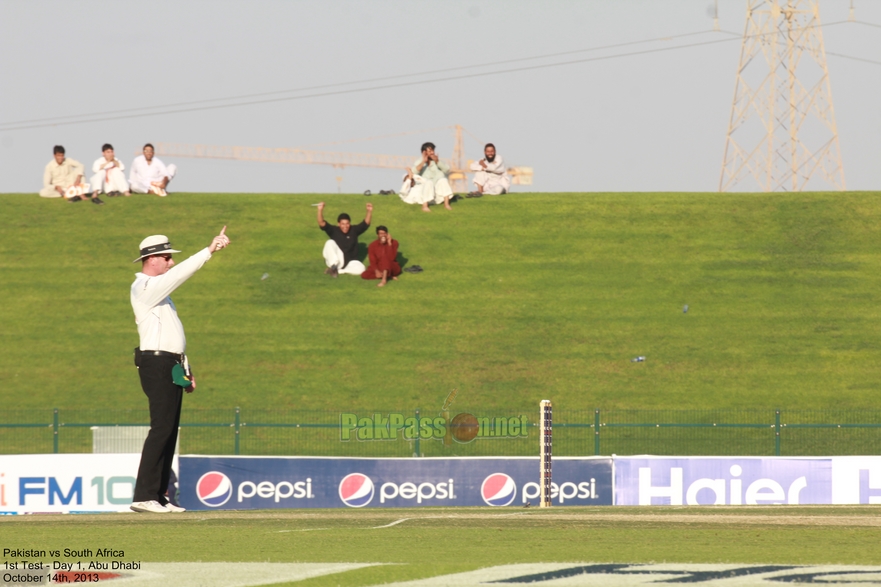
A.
x: 458, y: 169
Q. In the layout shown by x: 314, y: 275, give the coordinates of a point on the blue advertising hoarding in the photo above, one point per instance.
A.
x: 722, y: 480
x: 304, y: 482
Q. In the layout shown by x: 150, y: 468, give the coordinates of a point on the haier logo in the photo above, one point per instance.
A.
x: 734, y: 490
x: 869, y: 492
x: 856, y: 480
x: 724, y: 480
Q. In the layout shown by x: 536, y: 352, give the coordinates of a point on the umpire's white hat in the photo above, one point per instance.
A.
x: 155, y: 245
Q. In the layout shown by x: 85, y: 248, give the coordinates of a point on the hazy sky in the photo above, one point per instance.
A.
x: 649, y: 122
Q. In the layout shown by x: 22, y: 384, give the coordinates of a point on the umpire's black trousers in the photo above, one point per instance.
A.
x: 165, y: 404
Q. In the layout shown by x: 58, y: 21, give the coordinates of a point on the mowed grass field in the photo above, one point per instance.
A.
x: 523, y: 297
x: 436, y: 541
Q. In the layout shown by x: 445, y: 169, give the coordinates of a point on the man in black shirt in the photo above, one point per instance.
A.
x: 341, y: 251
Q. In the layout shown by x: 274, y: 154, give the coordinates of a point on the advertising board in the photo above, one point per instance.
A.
x: 72, y: 483
x: 856, y: 480
x: 67, y: 483
x: 722, y: 480
x: 303, y: 482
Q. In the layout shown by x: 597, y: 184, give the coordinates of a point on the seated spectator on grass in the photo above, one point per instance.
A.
x: 490, y: 177
x: 382, y: 254
x: 149, y: 175
x: 426, y: 182
x: 63, y: 178
x: 341, y: 250
x: 109, y: 177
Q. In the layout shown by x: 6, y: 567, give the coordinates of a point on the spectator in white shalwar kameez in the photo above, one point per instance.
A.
x: 109, y: 177
x: 426, y: 183
x: 490, y: 177
x: 63, y: 178
x: 149, y: 175
x: 60, y: 174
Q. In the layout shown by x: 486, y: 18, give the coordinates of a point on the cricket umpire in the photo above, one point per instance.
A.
x: 161, y: 361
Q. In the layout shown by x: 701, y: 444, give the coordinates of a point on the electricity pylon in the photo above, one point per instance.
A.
x: 782, y: 129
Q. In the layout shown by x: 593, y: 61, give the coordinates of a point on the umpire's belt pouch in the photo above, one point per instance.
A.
x: 138, y: 357
x: 179, y: 376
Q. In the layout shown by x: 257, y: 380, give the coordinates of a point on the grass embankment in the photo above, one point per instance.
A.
x: 523, y: 297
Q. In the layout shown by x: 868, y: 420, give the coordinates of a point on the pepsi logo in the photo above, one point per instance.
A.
x: 498, y: 489
x: 356, y: 490
x: 214, y: 489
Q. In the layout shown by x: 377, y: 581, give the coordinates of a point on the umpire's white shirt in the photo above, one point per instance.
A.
x: 158, y: 325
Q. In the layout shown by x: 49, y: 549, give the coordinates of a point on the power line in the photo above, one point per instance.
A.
x: 842, y: 55
x: 364, y: 81
x: 854, y: 58
x: 411, y: 83
x: 871, y: 24
x: 360, y: 90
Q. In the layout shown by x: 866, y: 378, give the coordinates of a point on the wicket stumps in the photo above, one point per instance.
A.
x: 546, y: 440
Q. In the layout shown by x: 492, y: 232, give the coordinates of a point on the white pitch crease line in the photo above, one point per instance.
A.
x: 390, y: 525
x: 395, y: 523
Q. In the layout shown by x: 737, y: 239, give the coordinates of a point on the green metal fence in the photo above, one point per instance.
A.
x: 576, y: 432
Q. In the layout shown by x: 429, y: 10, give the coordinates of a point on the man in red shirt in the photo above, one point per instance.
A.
x: 382, y: 253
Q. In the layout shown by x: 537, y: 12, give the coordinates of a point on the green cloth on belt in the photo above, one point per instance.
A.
x: 179, y: 376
